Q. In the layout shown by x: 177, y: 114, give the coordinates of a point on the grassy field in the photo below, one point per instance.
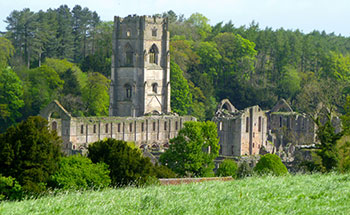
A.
x: 300, y: 194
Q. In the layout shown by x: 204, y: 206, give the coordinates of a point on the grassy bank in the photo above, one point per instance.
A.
x: 301, y: 194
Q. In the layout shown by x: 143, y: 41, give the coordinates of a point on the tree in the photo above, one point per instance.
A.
x: 7, y: 51
x: 270, y: 164
x: 30, y: 153
x: 21, y: 27
x: 181, y: 98
x: 78, y: 172
x: 227, y: 168
x: 193, y: 151
x: 11, y: 97
x: 127, y: 165
x: 328, y: 138
x: 96, y: 95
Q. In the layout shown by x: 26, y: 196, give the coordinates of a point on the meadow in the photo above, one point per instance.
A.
x: 298, y: 194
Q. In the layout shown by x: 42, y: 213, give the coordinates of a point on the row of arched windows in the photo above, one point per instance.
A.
x: 107, y: 130
x: 152, y: 55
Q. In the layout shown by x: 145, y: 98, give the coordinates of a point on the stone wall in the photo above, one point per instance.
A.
x: 241, y: 132
x: 152, y: 132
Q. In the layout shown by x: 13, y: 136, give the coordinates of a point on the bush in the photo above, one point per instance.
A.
x: 162, y: 171
x: 127, y: 165
x: 30, y: 153
x: 244, y: 170
x: 227, y: 168
x: 270, y: 164
x: 78, y: 172
x: 10, y: 189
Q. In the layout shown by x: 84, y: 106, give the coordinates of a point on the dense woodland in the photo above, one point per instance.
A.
x: 65, y: 54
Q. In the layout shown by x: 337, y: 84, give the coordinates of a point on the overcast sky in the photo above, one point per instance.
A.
x: 306, y: 15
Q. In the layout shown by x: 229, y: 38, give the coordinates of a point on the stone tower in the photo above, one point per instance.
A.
x: 140, y: 76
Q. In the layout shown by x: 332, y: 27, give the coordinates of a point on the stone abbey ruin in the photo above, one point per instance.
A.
x: 140, y: 109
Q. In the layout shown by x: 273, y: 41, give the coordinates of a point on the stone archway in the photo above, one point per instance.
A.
x: 59, y: 119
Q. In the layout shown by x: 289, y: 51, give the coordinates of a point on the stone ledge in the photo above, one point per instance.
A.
x: 176, y: 181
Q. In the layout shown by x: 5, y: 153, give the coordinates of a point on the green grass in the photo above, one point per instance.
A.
x: 300, y: 194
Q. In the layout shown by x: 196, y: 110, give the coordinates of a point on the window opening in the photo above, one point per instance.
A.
x: 154, y: 87
x: 82, y: 129
x: 153, y: 54
x: 128, y: 91
x: 154, y: 32
x: 247, y: 125
x: 106, y: 128
x: 54, y: 125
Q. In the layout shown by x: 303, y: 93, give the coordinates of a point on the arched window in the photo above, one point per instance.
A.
x: 153, y: 54
x: 154, y: 87
x: 128, y: 91
x: 129, y: 55
x: 54, y: 125
x: 154, y: 32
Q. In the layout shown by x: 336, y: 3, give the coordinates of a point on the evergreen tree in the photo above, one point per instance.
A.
x: 30, y: 153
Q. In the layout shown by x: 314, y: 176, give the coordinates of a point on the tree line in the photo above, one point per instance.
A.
x: 65, y: 54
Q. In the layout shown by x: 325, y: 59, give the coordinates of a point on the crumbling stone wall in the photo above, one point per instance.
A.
x: 241, y: 132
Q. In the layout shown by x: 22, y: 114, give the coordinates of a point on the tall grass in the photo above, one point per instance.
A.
x: 300, y: 194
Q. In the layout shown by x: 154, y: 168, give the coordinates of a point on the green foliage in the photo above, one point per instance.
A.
x: 193, y: 151
x: 345, y: 118
x: 227, y: 168
x: 344, y: 155
x: 244, y: 170
x: 181, y: 98
x: 336, y: 66
x: 290, y: 83
x: 78, y: 172
x: 328, y: 138
x: 10, y: 189
x: 270, y: 164
x: 96, y: 95
x: 30, y: 153
x: 162, y: 171
x: 6, y: 52
x: 127, y: 166
x: 11, y: 97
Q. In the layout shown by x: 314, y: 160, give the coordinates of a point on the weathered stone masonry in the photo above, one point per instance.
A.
x: 139, y: 108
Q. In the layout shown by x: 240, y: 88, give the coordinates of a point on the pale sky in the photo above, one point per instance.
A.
x: 306, y: 15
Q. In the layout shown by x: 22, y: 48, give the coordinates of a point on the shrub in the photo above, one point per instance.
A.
x: 270, y: 164
x: 227, y: 168
x: 244, y: 170
x: 162, y: 171
x: 10, y: 189
x: 127, y: 166
x: 78, y: 172
x: 30, y: 153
